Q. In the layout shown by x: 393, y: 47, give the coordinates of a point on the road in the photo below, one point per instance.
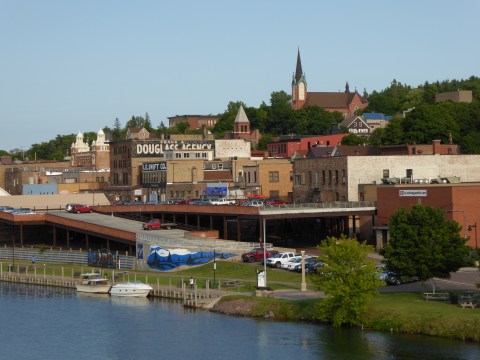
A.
x: 464, y: 279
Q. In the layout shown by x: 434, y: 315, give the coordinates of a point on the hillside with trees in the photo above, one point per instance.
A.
x: 423, y: 122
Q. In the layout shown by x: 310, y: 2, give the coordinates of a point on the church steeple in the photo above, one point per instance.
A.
x: 299, y: 85
x: 298, y: 71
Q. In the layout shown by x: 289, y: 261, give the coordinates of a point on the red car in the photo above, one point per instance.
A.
x: 274, y: 202
x: 77, y: 208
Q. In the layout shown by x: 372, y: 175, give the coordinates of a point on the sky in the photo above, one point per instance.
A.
x: 74, y: 66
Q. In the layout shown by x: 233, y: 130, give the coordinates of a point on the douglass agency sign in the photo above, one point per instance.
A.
x: 157, y: 148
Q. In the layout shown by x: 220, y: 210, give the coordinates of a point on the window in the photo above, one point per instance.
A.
x: 274, y: 194
x: 220, y: 166
x: 336, y: 177
x: 386, y: 174
x: 409, y: 173
x: 214, y: 166
x: 273, y: 176
x: 298, y: 179
x: 323, y: 176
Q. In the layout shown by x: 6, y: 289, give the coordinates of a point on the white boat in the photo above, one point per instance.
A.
x: 93, y: 283
x: 137, y: 289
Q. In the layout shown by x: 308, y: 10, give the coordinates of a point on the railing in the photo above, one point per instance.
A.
x: 323, y: 205
x: 56, y: 256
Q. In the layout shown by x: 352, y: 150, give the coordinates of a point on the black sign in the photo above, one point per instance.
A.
x: 154, y: 166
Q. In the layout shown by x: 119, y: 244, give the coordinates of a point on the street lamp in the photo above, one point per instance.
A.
x: 470, y: 227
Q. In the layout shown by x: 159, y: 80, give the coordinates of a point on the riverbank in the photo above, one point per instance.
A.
x: 400, y: 312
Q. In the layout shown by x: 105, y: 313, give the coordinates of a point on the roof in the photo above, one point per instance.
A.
x: 356, y: 150
x: 320, y: 151
x: 376, y: 116
x: 54, y: 202
x: 338, y: 100
x: 241, y: 116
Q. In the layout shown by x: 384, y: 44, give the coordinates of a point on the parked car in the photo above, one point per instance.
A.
x: 292, y: 263
x: 254, y: 202
x: 274, y: 202
x: 310, y: 261
x: 77, y: 208
x: 157, y: 224
x: 222, y: 201
x: 199, y: 202
x: 397, y: 279
x: 22, y: 211
x: 256, y: 254
x: 294, y: 260
x: 279, y: 259
x: 314, y: 269
x: 69, y: 207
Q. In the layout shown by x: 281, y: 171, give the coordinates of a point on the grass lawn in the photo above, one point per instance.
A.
x: 409, y: 313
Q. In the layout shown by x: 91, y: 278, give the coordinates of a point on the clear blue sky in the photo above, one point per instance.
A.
x: 69, y: 66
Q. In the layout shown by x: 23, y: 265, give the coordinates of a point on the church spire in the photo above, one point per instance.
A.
x: 298, y: 71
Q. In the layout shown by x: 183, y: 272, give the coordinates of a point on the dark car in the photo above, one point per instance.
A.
x: 396, y: 279
x: 308, y: 262
x: 77, y: 208
x: 314, y: 269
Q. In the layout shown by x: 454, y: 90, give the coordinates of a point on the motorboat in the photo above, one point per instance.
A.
x: 135, y: 289
x: 93, y: 283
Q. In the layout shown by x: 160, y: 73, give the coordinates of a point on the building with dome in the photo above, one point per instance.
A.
x: 90, y: 157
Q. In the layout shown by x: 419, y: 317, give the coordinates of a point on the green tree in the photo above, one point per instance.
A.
x: 182, y: 127
x: 423, y: 244
x: 264, y: 141
x: 348, y: 278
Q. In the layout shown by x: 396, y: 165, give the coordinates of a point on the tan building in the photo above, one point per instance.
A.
x: 268, y: 177
x: 149, y: 169
x: 338, y: 178
x: 455, y: 96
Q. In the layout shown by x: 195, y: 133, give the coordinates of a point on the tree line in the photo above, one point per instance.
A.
x: 424, y: 122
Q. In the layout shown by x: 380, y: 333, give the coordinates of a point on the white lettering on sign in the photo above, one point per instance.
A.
x: 413, y: 192
x: 157, y: 149
x: 154, y: 166
x: 149, y: 149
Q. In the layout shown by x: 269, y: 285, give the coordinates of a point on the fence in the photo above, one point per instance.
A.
x: 51, y: 256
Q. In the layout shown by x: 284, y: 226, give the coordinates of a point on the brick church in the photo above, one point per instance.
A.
x: 346, y: 102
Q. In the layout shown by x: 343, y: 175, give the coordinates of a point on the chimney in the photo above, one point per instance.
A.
x: 436, y: 147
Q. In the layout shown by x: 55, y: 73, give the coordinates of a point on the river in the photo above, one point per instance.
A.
x: 39, y: 322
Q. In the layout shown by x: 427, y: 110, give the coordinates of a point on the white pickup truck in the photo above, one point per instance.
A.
x: 279, y: 259
x: 222, y: 201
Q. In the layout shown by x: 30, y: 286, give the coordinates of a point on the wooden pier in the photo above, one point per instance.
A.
x: 193, y: 298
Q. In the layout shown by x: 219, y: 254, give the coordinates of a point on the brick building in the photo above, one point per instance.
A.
x: 286, y: 146
x: 195, y: 122
x: 460, y: 202
x: 346, y: 102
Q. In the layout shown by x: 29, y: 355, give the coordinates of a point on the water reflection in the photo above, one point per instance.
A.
x: 62, y: 324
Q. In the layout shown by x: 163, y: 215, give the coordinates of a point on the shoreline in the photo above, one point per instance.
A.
x: 300, y: 311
